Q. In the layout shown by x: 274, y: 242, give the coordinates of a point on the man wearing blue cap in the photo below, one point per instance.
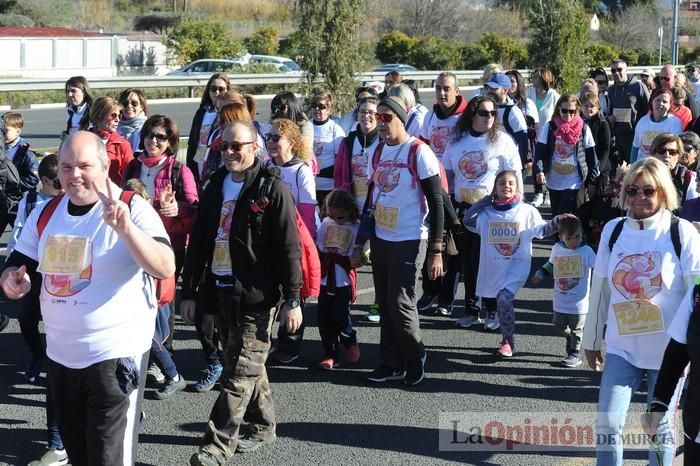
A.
x: 509, y: 115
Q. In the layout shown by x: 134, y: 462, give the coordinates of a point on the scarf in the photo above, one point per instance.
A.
x: 151, y: 162
x: 127, y: 127
x: 103, y: 134
x: 569, y: 132
x: 506, y: 204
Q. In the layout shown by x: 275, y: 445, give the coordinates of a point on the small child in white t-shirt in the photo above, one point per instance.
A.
x: 570, y: 262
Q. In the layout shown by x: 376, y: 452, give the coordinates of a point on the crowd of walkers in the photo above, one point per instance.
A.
x: 412, y: 191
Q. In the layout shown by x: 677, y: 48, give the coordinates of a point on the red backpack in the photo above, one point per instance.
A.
x: 310, y: 261
x: 165, y: 288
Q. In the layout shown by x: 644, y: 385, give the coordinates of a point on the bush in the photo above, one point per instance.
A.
x: 395, y: 47
x: 193, y: 39
x: 264, y: 41
x: 432, y: 53
x: 10, y: 20
x: 494, y: 48
x: 601, y: 54
x: 158, y: 23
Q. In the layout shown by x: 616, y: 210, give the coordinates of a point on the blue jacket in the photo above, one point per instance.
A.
x: 24, y: 159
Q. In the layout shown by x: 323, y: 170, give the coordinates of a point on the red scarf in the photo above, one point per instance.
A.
x: 506, y: 204
x: 569, y: 132
x: 151, y: 162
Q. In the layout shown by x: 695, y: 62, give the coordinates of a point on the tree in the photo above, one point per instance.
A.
x: 601, y: 54
x: 193, y: 39
x: 494, y: 48
x: 329, y: 31
x: 559, y: 36
x: 634, y: 27
x: 157, y: 23
x: 264, y: 41
x: 439, y: 18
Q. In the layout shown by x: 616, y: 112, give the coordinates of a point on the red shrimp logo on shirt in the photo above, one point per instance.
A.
x: 385, y: 178
x: 225, y: 219
x: 566, y: 284
x: 64, y: 285
x: 638, y: 276
x: 438, y: 139
x: 359, y: 165
x: 473, y: 165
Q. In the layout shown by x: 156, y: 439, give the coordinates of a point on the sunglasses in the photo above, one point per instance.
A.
x: 663, y: 150
x: 113, y: 116
x: 273, y: 137
x: 487, y: 113
x: 632, y: 191
x: 384, y: 117
x: 617, y: 70
x: 570, y: 111
x: 234, y: 145
x: 133, y: 103
x: 319, y: 106
x: 160, y: 137
x: 689, y: 149
x: 215, y: 89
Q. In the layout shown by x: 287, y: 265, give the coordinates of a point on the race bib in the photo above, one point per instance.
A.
x: 563, y: 168
x: 200, y: 153
x: 638, y: 317
x: 471, y: 195
x: 64, y: 255
x: 568, y: 267
x: 504, y: 232
x: 386, y: 217
x: 647, y: 138
x: 339, y: 238
x: 221, y: 262
x: 622, y: 115
x: 359, y: 187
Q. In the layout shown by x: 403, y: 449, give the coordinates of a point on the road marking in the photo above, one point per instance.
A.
x: 365, y: 291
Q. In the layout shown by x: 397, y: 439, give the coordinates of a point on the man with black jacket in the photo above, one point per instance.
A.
x: 244, y: 243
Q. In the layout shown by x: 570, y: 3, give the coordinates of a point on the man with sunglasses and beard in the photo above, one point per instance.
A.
x: 629, y: 102
x: 245, y: 243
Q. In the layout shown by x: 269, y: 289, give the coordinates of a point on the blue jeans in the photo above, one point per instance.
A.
x: 620, y: 381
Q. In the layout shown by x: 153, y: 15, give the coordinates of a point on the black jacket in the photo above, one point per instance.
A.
x: 266, y: 266
x: 600, y: 129
x: 193, y: 141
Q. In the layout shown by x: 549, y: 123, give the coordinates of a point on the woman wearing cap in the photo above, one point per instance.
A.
x: 601, y: 78
x: 639, y: 280
x: 565, y: 156
x: 404, y: 193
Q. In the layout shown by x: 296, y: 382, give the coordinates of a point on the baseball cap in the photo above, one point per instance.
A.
x: 646, y: 72
x: 499, y: 80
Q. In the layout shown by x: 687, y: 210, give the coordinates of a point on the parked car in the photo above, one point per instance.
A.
x: 400, y: 67
x: 283, y: 64
x: 207, y: 66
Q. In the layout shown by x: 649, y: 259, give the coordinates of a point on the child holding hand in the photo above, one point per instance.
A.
x: 570, y: 262
x: 507, y: 227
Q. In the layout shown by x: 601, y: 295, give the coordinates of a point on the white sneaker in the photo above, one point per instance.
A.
x: 51, y: 458
x: 467, y: 321
x: 492, y: 322
x: 538, y: 200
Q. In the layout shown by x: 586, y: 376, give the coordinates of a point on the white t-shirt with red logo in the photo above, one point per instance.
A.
x: 563, y: 168
x: 360, y: 158
x: 338, y: 239
x: 107, y: 308
x: 438, y: 132
x: 572, y: 278
x: 399, y: 203
x: 327, y: 140
x: 475, y: 162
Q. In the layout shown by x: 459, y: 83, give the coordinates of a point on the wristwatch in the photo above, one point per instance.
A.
x: 294, y: 302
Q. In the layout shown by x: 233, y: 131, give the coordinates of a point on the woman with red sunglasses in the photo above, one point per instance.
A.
x: 105, y: 114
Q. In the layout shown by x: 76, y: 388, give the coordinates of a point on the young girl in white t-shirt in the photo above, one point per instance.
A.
x: 507, y: 227
x: 335, y: 240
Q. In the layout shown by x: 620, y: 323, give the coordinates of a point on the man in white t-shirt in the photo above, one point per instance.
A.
x: 97, y: 257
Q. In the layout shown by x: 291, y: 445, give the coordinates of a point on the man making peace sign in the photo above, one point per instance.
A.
x: 97, y: 257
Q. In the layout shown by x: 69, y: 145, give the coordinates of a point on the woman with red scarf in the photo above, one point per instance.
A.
x: 104, y: 116
x: 565, y: 157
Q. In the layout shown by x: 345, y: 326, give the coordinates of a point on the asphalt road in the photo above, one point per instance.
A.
x: 338, y: 418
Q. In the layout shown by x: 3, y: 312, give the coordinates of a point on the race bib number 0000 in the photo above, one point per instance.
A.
x: 504, y: 232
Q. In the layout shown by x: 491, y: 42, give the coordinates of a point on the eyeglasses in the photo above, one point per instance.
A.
x: 617, y: 70
x: 133, y: 103
x: 487, y: 113
x: 217, y: 89
x: 317, y: 106
x: 632, y: 191
x: 160, y: 137
x: 113, y: 116
x: 570, y: 111
x: 235, y: 146
x: 689, y: 149
x: 663, y: 150
x: 273, y: 137
x: 384, y: 117
x: 368, y: 113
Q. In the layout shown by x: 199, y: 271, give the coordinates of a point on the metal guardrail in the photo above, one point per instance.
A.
x: 238, y: 79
